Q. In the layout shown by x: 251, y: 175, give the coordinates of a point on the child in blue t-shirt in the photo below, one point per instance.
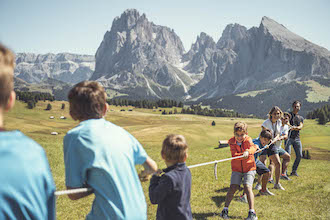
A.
x: 26, y: 184
x: 102, y: 156
x: 171, y: 188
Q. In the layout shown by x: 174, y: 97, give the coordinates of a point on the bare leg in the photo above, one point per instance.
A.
x: 271, y: 168
x: 250, y: 195
x: 233, y: 188
x: 275, y: 158
x: 286, y: 160
x: 264, y: 179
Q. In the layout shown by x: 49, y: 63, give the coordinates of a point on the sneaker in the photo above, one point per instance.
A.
x: 224, y: 214
x: 243, y: 198
x: 266, y: 193
x: 278, y: 186
x: 294, y: 174
x: 271, y: 181
x: 258, y: 186
x: 285, y: 177
x: 252, y: 216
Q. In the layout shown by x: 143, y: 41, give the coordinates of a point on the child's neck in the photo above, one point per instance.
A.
x: 170, y: 163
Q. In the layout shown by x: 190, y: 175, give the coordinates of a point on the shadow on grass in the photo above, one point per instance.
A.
x: 204, y: 216
x: 218, y: 200
x: 225, y: 190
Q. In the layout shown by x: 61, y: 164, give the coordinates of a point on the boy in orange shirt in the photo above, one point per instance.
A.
x: 241, y: 144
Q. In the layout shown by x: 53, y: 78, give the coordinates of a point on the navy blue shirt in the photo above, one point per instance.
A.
x: 295, y: 121
x: 171, y: 191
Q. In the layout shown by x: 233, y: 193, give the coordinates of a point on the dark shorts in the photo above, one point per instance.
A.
x: 281, y: 151
x: 261, y: 168
x: 272, y: 150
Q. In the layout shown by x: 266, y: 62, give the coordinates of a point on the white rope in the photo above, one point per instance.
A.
x: 72, y: 191
x: 81, y: 190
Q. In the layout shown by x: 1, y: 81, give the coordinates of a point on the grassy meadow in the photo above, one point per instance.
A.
x: 306, y: 197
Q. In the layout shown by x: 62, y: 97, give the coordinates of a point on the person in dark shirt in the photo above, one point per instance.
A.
x: 296, y: 123
x: 171, y: 187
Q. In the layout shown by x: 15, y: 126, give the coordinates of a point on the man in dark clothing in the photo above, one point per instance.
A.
x: 171, y: 188
x: 296, y: 122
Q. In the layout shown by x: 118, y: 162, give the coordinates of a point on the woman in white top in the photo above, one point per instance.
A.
x: 274, y: 124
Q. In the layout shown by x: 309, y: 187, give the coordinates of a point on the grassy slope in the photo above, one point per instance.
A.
x: 305, y: 197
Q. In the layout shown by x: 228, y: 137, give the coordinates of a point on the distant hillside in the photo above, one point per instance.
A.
x: 260, y: 102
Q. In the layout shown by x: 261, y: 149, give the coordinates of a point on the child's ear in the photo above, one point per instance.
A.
x: 105, y: 109
x: 11, y: 101
x: 186, y: 157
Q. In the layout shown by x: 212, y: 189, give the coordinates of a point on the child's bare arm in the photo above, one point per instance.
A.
x: 150, y: 167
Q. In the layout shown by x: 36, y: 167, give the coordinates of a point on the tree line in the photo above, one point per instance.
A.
x: 149, y: 104
x: 322, y: 114
x: 217, y: 112
x: 32, y: 98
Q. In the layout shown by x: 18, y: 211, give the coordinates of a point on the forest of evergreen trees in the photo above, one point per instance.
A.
x: 322, y: 114
x: 198, y: 110
x: 167, y: 103
x: 149, y: 104
x: 31, y: 98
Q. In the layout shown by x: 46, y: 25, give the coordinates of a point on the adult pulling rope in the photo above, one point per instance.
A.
x: 80, y: 190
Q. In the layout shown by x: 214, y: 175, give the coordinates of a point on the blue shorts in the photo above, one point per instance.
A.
x: 272, y: 150
x: 261, y: 168
x: 281, y: 151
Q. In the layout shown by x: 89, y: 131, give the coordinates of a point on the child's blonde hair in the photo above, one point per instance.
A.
x: 174, y: 148
x: 7, y: 65
x: 240, y: 126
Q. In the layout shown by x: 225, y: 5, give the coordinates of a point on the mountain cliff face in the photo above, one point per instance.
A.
x: 260, y: 58
x: 200, y: 54
x: 66, y: 67
x: 141, y: 58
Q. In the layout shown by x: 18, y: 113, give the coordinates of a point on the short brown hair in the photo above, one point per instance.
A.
x: 240, y: 126
x: 7, y: 65
x: 274, y: 109
x: 296, y: 102
x: 266, y: 134
x: 174, y: 148
x: 87, y: 100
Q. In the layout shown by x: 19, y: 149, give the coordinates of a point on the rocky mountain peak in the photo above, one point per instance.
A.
x: 128, y: 20
x: 134, y: 50
x: 232, y: 34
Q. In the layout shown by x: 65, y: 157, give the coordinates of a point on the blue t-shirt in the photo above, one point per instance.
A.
x: 257, y: 142
x: 103, y: 156
x: 26, y: 184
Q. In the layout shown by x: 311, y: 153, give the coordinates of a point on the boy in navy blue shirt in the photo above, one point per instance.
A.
x: 171, y: 188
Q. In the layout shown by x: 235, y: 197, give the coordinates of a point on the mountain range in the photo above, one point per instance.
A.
x: 141, y: 60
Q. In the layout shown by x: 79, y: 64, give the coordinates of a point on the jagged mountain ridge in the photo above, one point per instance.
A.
x: 144, y: 60
x: 260, y: 58
x: 137, y: 55
x: 141, y: 59
x: 66, y: 67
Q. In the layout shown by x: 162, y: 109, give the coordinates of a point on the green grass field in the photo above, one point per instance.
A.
x: 306, y: 197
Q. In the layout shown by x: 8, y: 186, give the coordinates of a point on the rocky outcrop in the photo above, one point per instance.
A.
x: 140, y: 59
x: 66, y: 67
x: 200, y: 54
x: 260, y: 58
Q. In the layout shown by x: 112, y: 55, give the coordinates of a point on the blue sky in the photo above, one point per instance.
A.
x: 78, y: 26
